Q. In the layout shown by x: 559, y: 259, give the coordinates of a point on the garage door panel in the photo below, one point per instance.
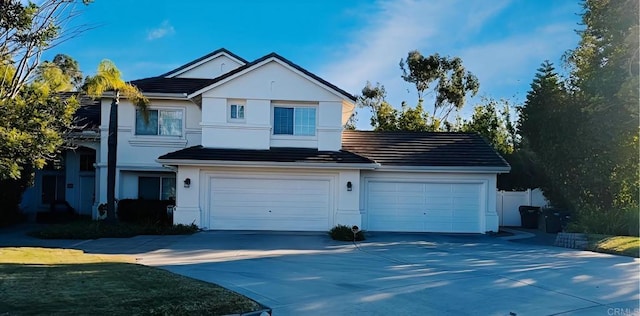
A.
x: 438, y: 227
x: 423, y: 206
x: 269, y: 204
x: 464, y: 227
x: 396, y: 224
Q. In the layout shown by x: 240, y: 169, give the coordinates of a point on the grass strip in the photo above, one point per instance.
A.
x: 41, y: 281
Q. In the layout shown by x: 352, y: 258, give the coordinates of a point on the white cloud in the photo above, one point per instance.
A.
x: 393, y: 29
x: 165, y: 29
x: 455, y: 28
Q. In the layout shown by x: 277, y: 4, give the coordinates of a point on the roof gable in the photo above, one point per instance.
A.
x: 273, y: 57
x: 208, y: 66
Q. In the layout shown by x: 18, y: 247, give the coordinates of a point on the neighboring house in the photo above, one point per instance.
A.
x: 72, y: 178
x: 260, y: 146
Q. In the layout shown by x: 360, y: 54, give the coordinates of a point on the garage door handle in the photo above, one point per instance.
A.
x: 269, y: 211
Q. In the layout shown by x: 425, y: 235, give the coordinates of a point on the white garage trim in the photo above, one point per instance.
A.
x: 264, y: 201
x: 425, y: 204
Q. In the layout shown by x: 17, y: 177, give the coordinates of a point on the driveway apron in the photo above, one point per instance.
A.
x: 406, y: 274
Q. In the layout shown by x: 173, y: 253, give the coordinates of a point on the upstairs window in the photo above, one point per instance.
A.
x: 236, y: 112
x: 161, y: 122
x: 299, y: 121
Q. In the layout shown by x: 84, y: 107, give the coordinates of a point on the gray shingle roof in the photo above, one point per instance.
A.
x: 171, y: 85
x: 87, y: 117
x: 276, y: 154
x: 421, y: 149
x: 161, y: 84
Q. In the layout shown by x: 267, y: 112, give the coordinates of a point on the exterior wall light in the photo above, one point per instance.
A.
x: 187, y: 182
x: 349, y: 186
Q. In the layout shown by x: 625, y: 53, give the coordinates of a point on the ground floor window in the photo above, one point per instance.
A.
x: 156, y: 188
x: 53, y: 188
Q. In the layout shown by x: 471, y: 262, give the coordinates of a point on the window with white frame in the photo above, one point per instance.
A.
x: 156, y: 188
x: 161, y: 122
x: 299, y: 121
x: 236, y: 112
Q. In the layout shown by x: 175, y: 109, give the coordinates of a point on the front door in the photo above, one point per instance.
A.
x: 87, y: 194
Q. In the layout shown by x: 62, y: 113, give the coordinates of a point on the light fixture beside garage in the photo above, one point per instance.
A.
x: 349, y: 186
x: 187, y: 182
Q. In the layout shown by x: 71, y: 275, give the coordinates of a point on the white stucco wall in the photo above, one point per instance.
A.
x: 270, y: 84
x: 192, y: 204
x: 188, y: 207
x: 139, y: 153
x: 219, y: 132
x: 211, y: 68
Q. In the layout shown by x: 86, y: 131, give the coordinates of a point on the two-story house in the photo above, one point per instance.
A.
x: 260, y: 146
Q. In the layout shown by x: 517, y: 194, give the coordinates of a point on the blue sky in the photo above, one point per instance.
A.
x: 347, y: 42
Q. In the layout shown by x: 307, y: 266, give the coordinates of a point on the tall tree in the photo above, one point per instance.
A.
x: 109, y: 78
x: 605, y: 77
x: 61, y: 74
x: 383, y: 115
x: 413, y: 119
x: 69, y: 68
x: 27, y: 31
x: 452, y: 81
x: 32, y: 130
x: 34, y: 118
x: 493, y: 124
x: 548, y: 124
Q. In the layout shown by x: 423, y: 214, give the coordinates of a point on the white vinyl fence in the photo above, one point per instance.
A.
x: 507, y: 203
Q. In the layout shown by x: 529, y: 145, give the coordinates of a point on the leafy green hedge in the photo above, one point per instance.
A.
x: 616, y: 222
x: 89, y: 229
x: 145, y: 211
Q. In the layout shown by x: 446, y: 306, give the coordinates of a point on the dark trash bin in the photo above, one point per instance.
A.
x: 565, y: 218
x: 552, y: 220
x: 529, y: 216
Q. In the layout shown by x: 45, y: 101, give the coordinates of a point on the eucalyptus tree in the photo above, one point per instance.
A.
x: 446, y: 77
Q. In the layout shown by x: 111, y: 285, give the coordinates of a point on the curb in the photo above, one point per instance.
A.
x: 517, y: 234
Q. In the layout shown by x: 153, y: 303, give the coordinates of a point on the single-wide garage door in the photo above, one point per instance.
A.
x: 424, y: 207
x: 269, y: 204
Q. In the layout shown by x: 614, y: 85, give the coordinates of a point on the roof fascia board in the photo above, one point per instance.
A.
x: 181, y: 71
x: 153, y: 95
x: 262, y: 63
x: 445, y: 169
x: 263, y: 164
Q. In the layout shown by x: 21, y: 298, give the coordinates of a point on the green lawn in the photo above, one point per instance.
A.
x: 40, y: 281
x: 619, y: 245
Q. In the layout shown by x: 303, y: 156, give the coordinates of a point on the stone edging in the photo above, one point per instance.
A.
x: 572, y: 240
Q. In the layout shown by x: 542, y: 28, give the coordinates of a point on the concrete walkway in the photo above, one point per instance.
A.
x: 390, y: 274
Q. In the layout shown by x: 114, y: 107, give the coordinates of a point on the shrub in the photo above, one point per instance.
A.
x: 60, y: 211
x: 145, y: 211
x: 88, y: 229
x: 344, y: 233
x: 617, y: 222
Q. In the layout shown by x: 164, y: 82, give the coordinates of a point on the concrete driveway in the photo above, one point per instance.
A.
x: 405, y: 274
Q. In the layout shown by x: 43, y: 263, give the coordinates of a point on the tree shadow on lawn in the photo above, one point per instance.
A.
x: 111, y: 289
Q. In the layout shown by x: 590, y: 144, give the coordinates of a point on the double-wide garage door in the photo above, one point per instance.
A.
x: 270, y: 203
x: 424, y: 206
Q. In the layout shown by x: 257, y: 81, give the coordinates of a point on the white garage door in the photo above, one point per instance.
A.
x: 269, y: 204
x: 424, y: 207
